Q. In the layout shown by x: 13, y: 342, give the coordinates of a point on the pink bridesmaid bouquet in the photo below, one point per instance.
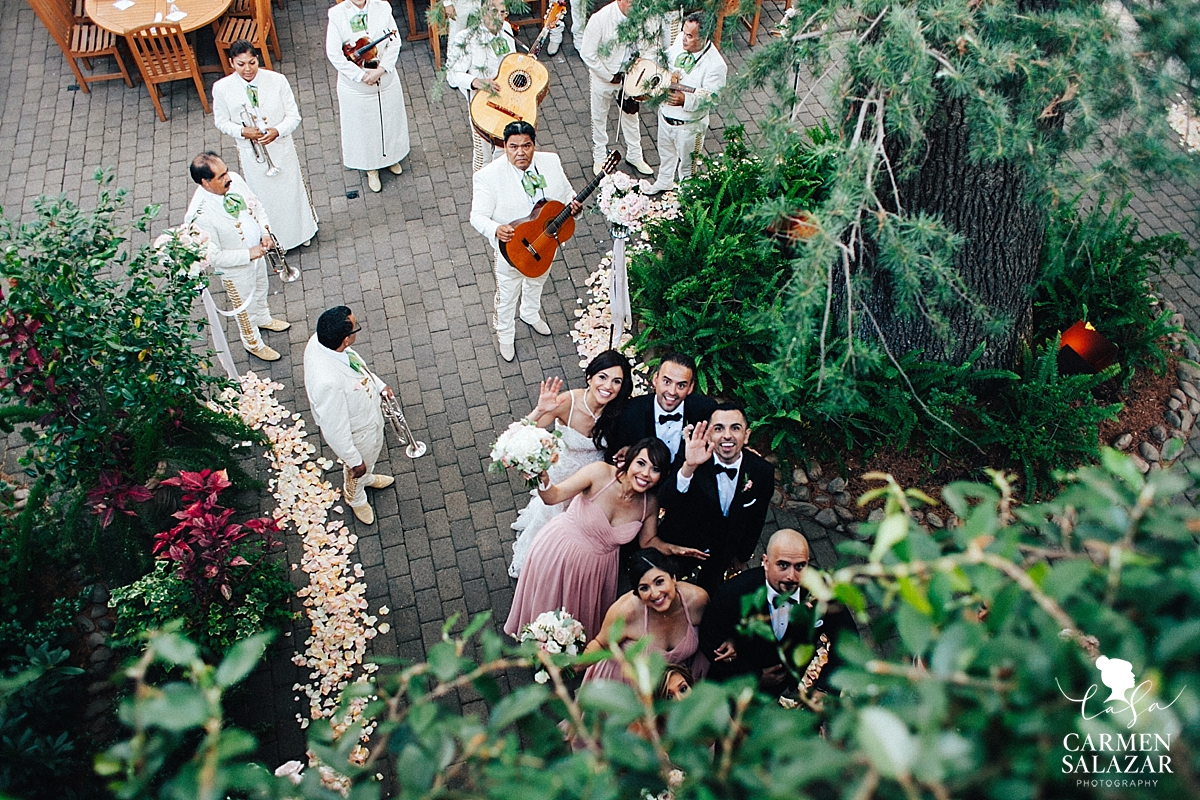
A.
x: 555, y: 632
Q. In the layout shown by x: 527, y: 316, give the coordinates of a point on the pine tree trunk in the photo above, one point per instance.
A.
x: 998, y: 260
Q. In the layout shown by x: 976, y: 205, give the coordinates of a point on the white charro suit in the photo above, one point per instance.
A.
x: 346, y: 406
x: 498, y: 198
x: 230, y: 241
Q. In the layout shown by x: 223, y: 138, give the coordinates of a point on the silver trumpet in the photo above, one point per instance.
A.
x: 394, y: 415
x: 277, y: 258
x: 261, y: 154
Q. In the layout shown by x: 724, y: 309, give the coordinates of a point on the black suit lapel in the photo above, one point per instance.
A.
x: 649, y: 416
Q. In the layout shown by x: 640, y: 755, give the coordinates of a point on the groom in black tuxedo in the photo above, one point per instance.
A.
x: 780, y: 610
x: 664, y: 414
x: 715, y: 505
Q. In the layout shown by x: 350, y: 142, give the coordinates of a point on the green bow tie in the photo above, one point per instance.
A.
x: 358, y: 22
x: 234, y: 204
x: 356, y: 363
x: 252, y: 93
x: 531, y: 182
x: 499, y: 46
x: 685, y: 61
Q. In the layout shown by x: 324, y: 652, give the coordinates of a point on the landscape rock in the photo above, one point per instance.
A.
x: 822, y: 499
x: 100, y: 655
x: 1123, y: 441
x: 99, y: 687
x: 844, y: 499
x: 1148, y: 451
x: 99, y: 593
x: 99, y: 610
x: 1170, y: 305
x: 777, y: 497
x: 1173, y: 419
x: 876, y: 515
x: 1172, y: 449
x: 836, y: 485
x: 1178, y: 394
x: 1194, y: 406
x: 801, y: 492
x: 844, y: 513
x: 934, y: 520
x: 1189, y: 389
x: 803, y: 509
x: 814, y: 470
x: 104, y: 624
x: 96, y: 708
x: 1186, y: 420
x: 1142, y: 465
x: 952, y: 521
x: 1174, y: 404
x: 826, y: 518
x: 800, y: 477
x: 1159, y: 433
x: 94, y: 639
x: 84, y: 623
x: 1191, y: 351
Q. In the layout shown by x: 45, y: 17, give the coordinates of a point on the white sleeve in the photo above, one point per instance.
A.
x: 560, y: 186
x: 335, y: 423
x: 591, y: 48
x: 483, y: 205
x: 223, y: 113
x: 458, y: 66
x: 291, y: 111
x: 682, y: 483
x: 389, y: 51
x: 712, y: 83
x: 333, y: 49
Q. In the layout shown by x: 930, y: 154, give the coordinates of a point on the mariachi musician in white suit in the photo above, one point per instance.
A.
x: 370, y: 100
x: 472, y: 62
x: 265, y: 100
x: 238, y: 229
x: 505, y: 191
x: 346, y: 397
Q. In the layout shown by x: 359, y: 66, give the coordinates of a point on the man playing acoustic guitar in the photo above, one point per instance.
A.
x: 505, y: 191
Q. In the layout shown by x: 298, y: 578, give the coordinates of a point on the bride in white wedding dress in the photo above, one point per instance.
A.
x: 584, y: 417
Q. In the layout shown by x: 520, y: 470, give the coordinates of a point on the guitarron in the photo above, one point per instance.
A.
x: 524, y: 82
x: 537, y: 237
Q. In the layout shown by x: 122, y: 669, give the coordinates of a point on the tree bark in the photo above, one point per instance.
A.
x: 998, y: 260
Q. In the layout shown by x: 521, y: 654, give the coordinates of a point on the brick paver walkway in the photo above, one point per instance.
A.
x: 418, y: 276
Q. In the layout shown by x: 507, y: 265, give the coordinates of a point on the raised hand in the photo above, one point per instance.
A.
x: 547, y: 397
x: 697, y: 448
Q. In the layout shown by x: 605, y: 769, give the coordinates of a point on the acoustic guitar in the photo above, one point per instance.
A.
x: 524, y: 82
x: 537, y: 237
x: 646, y: 77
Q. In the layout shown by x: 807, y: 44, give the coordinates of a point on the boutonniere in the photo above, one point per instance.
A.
x: 748, y: 484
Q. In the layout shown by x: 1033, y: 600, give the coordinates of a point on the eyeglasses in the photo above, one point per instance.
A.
x: 356, y: 330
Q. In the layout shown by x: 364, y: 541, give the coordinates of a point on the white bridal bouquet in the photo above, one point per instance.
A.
x: 555, y: 632
x: 526, y: 447
x: 621, y: 200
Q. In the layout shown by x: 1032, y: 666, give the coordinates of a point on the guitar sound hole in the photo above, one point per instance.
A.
x: 519, y: 81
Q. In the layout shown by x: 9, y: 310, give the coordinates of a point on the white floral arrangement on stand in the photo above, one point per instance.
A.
x: 622, y: 203
x: 555, y: 632
x: 528, y: 449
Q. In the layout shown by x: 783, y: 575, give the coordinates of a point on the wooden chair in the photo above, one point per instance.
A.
x: 163, y: 55
x: 80, y: 42
x: 730, y: 9
x: 259, y: 30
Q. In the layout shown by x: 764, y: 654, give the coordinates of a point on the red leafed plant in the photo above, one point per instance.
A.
x: 202, y: 544
x: 114, y: 493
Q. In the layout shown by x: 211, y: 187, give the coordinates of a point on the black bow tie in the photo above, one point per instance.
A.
x: 669, y: 418
x: 730, y: 471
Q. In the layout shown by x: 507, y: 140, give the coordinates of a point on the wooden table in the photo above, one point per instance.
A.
x: 200, y: 13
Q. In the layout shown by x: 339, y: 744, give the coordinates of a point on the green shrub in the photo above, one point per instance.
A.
x: 39, y: 698
x: 260, y: 601
x: 1095, y: 267
x: 1046, y: 421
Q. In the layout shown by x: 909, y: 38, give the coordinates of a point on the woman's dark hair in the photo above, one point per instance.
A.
x: 673, y: 669
x: 612, y: 411
x: 243, y: 46
x: 647, y: 559
x: 656, y: 451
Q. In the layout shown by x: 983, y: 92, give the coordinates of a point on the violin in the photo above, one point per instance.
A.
x: 363, y: 52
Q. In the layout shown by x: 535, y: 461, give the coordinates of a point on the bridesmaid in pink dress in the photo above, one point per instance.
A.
x: 572, y: 563
x: 661, y: 607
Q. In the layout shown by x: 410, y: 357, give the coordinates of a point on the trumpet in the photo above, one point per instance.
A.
x: 261, y: 154
x: 277, y: 258
x: 395, y: 415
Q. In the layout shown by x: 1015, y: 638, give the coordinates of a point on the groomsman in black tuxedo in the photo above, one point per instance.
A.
x: 716, y: 503
x: 782, y: 612
x: 664, y: 413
